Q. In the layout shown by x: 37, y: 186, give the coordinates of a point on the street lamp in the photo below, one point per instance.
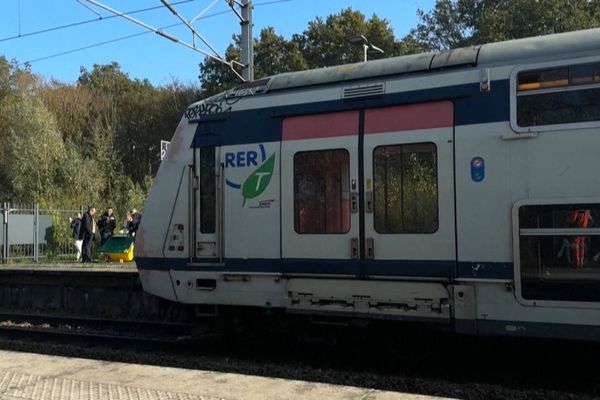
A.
x: 361, y: 40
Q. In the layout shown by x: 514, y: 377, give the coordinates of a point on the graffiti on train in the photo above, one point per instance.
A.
x: 218, y: 105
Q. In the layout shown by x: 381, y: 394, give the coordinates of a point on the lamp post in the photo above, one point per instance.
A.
x: 361, y: 40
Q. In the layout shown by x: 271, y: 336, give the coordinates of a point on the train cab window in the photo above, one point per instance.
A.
x: 322, y: 191
x: 559, y: 249
x: 561, y: 95
x: 207, y: 190
x: 405, y: 188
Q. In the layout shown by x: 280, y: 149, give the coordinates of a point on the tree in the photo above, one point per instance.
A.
x: 459, y: 23
x: 35, y: 153
x: 496, y: 20
x: 128, y: 119
x: 322, y: 44
x: 446, y: 26
x: 274, y: 54
x: 71, y: 106
x: 217, y: 77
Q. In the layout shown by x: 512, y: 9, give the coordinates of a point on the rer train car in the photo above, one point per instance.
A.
x: 460, y: 189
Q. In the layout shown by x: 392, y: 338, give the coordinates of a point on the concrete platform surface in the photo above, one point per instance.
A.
x: 28, y: 376
x: 71, y: 266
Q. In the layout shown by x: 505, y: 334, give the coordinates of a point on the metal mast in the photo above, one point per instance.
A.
x: 247, y: 42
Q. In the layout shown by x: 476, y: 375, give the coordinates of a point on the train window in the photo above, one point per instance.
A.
x: 207, y: 190
x: 560, y: 252
x: 322, y: 191
x: 558, y: 96
x: 405, y: 188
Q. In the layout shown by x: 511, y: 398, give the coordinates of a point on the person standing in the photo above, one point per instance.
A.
x: 107, y: 224
x: 579, y: 219
x: 126, y: 224
x: 76, y: 228
x: 87, y: 232
x: 134, y: 225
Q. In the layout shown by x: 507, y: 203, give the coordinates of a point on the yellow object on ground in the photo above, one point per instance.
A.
x: 118, y: 249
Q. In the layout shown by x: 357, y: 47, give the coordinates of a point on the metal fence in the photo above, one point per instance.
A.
x: 30, y: 233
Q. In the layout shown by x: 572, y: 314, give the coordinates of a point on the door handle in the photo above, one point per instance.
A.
x: 370, y: 247
x: 354, y: 248
x: 369, y: 201
x: 354, y: 202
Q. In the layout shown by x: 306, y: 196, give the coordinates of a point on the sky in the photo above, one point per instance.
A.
x: 56, y: 53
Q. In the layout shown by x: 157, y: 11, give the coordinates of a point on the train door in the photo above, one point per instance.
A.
x: 319, y: 194
x: 409, y: 224
x: 206, y: 213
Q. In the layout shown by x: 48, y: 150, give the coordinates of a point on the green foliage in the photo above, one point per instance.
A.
x: 444, y: 27
x: 62, y: 238
x: 450, y: 24
x: 276, y: 54
x: 324, y: 43
x: 216, y: 77
x: 93, y: 142
x: 457, y: 23
x: 34, y: 154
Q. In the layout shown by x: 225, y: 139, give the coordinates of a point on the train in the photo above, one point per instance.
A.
x: 457, y: 189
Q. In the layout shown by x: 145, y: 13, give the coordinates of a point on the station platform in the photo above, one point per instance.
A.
x: 28, y: 376
x: 71, y: 266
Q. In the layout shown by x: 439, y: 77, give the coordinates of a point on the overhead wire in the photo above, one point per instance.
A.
x: 189, y: 25
x: 112, y: 40
x: 162, y: 33
x: 266, y: 3
x: 88, y: 21
x: 94, y: 45
x: 103, y: 43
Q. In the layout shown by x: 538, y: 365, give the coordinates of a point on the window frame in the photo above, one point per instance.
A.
x: 518, y: 232
x: 437, y: 180
x: 294, y: 191
x: 549, y: 65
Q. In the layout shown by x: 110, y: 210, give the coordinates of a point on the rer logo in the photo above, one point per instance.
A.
x: 258, y: 181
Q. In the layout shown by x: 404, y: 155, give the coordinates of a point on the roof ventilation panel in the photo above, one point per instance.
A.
x: 363, y: 91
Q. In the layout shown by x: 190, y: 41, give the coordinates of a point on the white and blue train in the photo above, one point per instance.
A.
x: 459, y: 188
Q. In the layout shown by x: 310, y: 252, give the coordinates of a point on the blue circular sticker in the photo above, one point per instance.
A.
x: 477, y: 169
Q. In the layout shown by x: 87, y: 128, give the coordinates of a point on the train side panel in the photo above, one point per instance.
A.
x: 451, y: 197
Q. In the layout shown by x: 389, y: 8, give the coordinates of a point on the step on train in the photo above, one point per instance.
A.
x: 460, y: 189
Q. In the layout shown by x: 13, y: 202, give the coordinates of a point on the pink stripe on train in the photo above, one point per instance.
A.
x: 320, y: 126
x: 410, y: 117
x: 378, y: 120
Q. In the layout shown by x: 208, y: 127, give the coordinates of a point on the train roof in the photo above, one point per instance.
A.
x: 552, y: 47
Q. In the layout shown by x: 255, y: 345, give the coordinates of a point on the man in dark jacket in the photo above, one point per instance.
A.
x: 134, y: 225
x: 76, y: 228
x: 87, y: 232
x: 107, y: 224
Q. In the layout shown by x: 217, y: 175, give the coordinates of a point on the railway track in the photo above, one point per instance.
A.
x: 94, y: 331
x: 454, y: 366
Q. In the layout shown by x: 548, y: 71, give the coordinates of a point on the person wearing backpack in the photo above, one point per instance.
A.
x: 75, y: 229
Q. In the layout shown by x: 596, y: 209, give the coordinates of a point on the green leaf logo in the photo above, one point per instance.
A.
x: 258, y: 181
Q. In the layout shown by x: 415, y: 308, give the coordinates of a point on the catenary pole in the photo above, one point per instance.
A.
x: 247, y: 42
